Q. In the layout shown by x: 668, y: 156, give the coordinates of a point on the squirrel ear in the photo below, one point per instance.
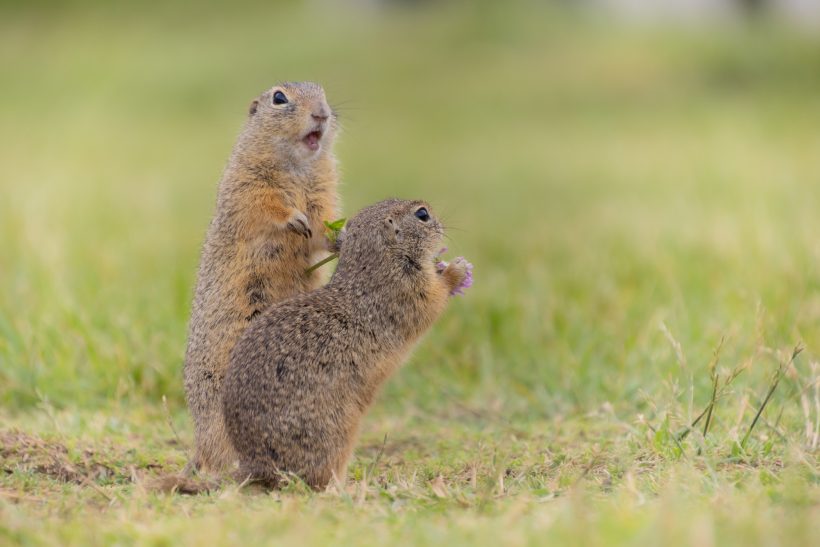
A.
x: 254, y: 106
x: 391, y: 229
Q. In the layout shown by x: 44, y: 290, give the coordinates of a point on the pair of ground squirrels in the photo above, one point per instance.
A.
x: 278, y: 188
x: 306, y: 370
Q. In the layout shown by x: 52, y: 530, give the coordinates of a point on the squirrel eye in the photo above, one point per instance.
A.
x: 422, y: 214
x: 279, y: 98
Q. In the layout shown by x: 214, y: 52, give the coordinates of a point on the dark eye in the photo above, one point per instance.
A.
x: 279, y: 98
x: 422, y: 214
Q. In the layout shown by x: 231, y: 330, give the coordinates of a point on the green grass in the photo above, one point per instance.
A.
x: 629, y: 196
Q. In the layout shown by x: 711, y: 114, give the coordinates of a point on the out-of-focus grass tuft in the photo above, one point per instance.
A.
x: 630, y: 196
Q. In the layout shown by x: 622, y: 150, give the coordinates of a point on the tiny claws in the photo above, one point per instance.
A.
x: 299, y: 224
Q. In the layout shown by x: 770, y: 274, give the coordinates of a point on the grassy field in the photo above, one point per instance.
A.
x: 642, y: 206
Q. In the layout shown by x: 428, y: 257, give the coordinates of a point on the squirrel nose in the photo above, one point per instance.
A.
x: 320, y: 112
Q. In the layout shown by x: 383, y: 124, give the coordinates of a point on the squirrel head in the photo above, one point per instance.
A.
x: 294, y: 119
x: 390, y: 232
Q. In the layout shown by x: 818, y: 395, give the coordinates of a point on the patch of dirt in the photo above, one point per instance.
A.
x: 23, y: 452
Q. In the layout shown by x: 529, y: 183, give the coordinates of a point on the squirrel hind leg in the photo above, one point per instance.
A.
x: 250, y: 474
x: 182, y: 484
x: 214, y: 453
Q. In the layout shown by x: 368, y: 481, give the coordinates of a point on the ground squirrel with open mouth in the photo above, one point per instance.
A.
x: 276, y: 192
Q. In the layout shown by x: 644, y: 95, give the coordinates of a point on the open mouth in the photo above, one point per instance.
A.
x: 312, y: 139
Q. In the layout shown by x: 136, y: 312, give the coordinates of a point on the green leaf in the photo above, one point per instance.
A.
x: 737, y: 450
x: 333, y: 229
x: 336, y: 225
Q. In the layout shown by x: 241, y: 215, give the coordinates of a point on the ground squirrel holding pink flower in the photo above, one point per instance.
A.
x: 278, y: 189
x: 302, y: 376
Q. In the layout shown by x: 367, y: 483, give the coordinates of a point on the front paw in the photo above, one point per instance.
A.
x: 456, y: 271
x: 459, y: 275
x: 298, y: 222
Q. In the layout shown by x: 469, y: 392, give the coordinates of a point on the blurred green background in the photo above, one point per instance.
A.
x: 634, y: 180
x: 605, y: 175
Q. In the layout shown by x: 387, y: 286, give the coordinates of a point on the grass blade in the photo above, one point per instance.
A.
x: 778, y: 375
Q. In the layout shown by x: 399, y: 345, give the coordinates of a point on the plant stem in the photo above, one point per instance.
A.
x: 321, y: 263
x: 775, y: 380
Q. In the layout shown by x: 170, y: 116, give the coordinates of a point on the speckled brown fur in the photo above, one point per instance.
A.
x: 303, y: 375
x: 267, y: 230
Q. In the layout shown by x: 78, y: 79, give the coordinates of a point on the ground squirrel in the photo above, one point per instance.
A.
x: 277, y: 190
x: 302, y: 376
